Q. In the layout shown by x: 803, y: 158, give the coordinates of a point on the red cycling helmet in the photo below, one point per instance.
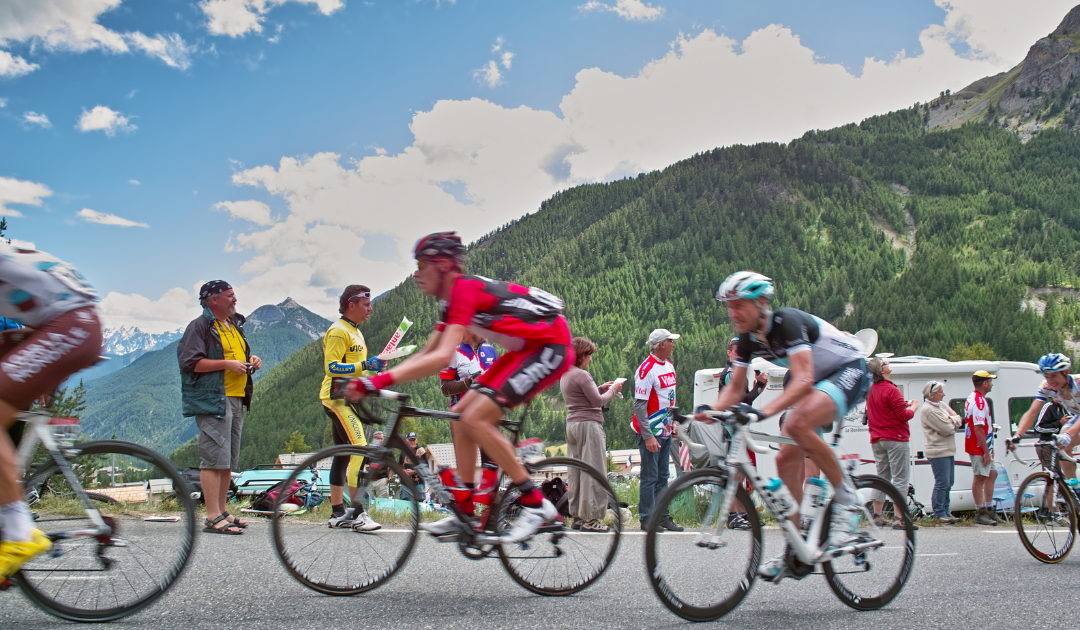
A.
x: 440, y: 245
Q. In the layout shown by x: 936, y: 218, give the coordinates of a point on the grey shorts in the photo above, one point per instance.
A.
x: 980, y: 469
x: 219, y: 438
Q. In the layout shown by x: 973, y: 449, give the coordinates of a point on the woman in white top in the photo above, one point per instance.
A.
x: 940, y: 423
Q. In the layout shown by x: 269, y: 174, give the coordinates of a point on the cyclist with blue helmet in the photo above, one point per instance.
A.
x: 829, y: 377
x: 1060, y: 387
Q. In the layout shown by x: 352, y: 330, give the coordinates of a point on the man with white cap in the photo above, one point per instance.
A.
x: 654, y: 395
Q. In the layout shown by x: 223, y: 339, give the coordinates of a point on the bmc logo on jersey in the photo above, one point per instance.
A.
x: 667, y: 380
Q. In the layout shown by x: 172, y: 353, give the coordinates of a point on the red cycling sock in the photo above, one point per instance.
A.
x: 532, y: 498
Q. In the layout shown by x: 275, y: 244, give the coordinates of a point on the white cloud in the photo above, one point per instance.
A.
x: 635, y: 10
x: 12, y: 66
x: 34, y: 118
x: 173, y: 309
x: 240, y: 17
x: 256, y: 212
x: 497, y: 46
x: 507, y: 58
x: 102, y: 118
x: 3, y: 102
x: 72, y: 25
x: 93, y: 216
x: 169, y: 48
x: 22, y: 192
x: 134, y: 182
x: 489, y: 74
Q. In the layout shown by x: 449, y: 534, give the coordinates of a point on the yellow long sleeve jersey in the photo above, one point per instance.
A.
x: 343, y: 351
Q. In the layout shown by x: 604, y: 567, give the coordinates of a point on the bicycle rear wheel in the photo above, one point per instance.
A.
x: 88, y: 578
x: 1045, y: 517
x: 702, y: 582
x: 559, y: 560
x: 872, y: 578
x: 341, y: 561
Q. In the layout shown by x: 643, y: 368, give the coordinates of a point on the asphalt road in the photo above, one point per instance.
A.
x: 963, y: 577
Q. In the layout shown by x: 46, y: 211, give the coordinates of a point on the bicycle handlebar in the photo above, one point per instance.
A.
x: 1012, y: 451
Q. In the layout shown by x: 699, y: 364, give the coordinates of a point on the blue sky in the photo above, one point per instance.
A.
x: 395, y: 118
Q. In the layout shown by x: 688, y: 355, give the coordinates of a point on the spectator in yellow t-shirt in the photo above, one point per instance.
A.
x: 216, y: 365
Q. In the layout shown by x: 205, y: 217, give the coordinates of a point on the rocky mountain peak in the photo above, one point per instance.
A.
x: 291, y: 313
x: 1070, y: 25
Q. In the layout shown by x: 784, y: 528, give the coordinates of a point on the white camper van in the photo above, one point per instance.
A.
x: 1013, y: 392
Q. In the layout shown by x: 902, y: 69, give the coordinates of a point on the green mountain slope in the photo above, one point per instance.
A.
x: 936, y: 239
x: 141, y: 402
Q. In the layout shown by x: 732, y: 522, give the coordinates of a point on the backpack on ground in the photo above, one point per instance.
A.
x: 264, y: 501
x: 554, y: 490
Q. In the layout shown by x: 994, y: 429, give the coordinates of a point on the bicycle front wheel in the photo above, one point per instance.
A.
x: 102, y: 578
x: 559, y: 560
x: 703, y: 573
x: 340, y: 561
x: 870, y: 579
x: 1045, y: 517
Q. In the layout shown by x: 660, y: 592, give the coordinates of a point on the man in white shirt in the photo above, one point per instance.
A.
x: 654, y: 395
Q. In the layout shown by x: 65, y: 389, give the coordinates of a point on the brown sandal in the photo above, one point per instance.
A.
x: 236, y: 522
x: 229, y: 529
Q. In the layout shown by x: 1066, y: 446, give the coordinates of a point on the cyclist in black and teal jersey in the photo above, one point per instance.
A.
x: 829, y: 377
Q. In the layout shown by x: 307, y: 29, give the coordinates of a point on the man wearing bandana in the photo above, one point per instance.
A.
x: 216, y: 365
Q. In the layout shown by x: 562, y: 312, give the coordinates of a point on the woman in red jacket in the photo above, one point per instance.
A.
x: 888, y: 415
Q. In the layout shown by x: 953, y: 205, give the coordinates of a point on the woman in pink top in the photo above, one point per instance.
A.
x: 888, y: 415
x: 585, y: 437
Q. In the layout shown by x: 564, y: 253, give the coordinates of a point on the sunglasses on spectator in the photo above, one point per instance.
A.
x: 357, y: 296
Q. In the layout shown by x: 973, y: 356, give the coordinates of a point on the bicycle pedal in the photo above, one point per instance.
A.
x: 447, y: 538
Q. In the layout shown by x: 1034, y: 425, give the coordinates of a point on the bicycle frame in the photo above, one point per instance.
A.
x: 431, y: 480
x: 40, y: 425
x: 736, y: 461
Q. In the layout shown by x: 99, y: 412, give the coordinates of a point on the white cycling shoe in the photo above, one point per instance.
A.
x: 774, y: 569
x: 442, y: 527
x: 529, y: 521
x: 844, y: 527
x: 343, y: 521
x: 364, y: 524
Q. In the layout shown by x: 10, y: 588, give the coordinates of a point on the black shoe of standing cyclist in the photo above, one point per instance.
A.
x: 670, y: 525
x: 737, y: 520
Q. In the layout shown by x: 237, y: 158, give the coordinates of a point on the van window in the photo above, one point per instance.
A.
x: 957, y: 405
x: 1017, y: 407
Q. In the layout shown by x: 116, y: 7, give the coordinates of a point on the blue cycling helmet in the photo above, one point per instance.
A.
x: 744, y: 285
x: 1054, y: 362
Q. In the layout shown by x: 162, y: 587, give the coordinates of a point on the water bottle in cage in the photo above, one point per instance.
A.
x: 489, y: 478
x: 65, y: 430
x: 781, y: 496
x: 530, y: 448
x: 813, y: 499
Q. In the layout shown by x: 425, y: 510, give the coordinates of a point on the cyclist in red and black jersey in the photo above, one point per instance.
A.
x: 529, y: 324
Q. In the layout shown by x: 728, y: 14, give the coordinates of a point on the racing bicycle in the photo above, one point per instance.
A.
x: 705, y: 573
x: 558, y: 560
x: 1046, y: 508
x: 117, y: 543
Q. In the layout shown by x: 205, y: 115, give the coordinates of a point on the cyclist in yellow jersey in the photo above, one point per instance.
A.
x: 345, y: 354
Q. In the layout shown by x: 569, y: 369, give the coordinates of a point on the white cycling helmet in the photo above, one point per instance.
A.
x: 744, y: 285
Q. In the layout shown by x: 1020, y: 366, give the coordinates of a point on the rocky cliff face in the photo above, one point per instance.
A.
x: 1040, y: 92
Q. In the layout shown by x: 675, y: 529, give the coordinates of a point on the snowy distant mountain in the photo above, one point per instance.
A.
x: 128, y: 339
